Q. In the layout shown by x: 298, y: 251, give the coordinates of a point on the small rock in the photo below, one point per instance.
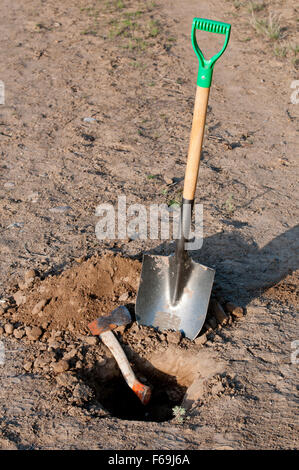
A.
x: 22, y: 285
x: 39, y: 306
x: 61, y: 366
x: 30, y: 274
x: 79, y: 365
x: 174, y: 337
x: 1, y: 330
x: 45, y: 325
x: 70, y: 354
x: 201, y: 339
x: 9, y: 185
x: 8, y: 328
x: 124, y: 297
x: 19, y: 333
x: 28, y: 366
x: 19, y: 297
x: 60, y: 209
x: 168, y: 180
x: 53, y: 344
x: 33, y: 197
x: 91, y: 340
x: 235, y: 310
x: 2, y: 310
x: 41, y: 363
x: 34, y: 333
x: 67, y: 380
x: 16, y: 225
x: 89, y: 119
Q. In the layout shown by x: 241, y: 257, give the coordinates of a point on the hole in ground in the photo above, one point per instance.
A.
x: 169, y: 377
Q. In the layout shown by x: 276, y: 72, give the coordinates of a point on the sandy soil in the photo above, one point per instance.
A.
x: 130, y: 66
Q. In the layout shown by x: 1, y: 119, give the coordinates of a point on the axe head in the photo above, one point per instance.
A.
x: 118, y: 317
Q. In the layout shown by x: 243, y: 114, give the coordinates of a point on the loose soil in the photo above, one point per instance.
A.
x: 98, y: 104
x: 81, y: 294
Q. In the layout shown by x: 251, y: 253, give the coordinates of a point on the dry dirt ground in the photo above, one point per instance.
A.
x: 129, y: 66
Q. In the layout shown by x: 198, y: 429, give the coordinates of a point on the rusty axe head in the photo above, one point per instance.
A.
x: 118, y: 317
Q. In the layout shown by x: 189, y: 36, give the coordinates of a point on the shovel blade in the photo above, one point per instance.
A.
x: 154, y: 305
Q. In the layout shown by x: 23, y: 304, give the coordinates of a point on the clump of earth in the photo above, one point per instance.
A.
x: 80, y: 294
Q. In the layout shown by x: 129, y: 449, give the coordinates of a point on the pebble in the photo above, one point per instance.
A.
x: 24, y: 285
x: 19, y: 297
x: 124, y: 297
x: 91, y: 340
x: 34, y: 333
x: 33, y: 197
x: 235, y: 310
x: 168, y: 180
x: 28, y: 366
x: 89, y: 119
x: 9, y: 185
x: 2, y: 310
x: 70, y: 354
x: 66, y: 380
x: 31, y: 273
x: 16, y: 225
x: 39, y: 306
x: 19, y: 333
x: 1, y: 330
x: 53, y: 344
x: 201, y: 339
x: 8, y: 328
x: 174, y: 337
x: 60, y: 209
x: 41, y: 363
x: 61, y: 366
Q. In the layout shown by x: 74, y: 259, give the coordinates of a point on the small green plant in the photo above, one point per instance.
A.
x: 280, y: 51
x: 119, y: 4
x: 154, y: 28
x: 174, y: 204
x: 179, y: 414
x: 229, y: 205
x: 269, y: 28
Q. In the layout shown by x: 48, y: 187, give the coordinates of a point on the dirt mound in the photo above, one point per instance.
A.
x: 286, y: 291
x: 80, y: 294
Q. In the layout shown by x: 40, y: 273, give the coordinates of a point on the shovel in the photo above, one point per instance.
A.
x: 174, y: 291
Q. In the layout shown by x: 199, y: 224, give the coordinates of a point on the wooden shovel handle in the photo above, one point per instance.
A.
x: 196, y: 140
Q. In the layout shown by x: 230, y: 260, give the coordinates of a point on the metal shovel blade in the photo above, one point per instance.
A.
x: 155, y: 305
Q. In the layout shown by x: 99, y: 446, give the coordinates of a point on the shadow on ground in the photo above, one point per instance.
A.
x: 243, y: 271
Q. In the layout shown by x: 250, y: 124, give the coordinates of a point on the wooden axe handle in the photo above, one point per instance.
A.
x: 142, y: 391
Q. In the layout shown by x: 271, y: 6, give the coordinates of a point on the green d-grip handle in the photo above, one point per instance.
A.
x: 206, y: 67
